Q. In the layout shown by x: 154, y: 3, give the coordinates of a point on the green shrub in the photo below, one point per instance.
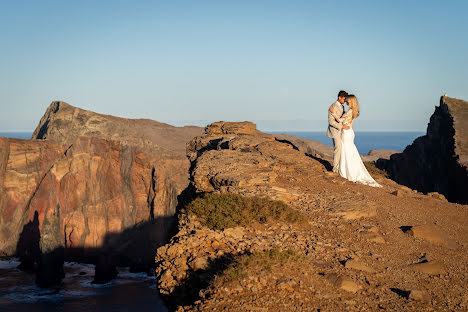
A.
x: 220, y: 211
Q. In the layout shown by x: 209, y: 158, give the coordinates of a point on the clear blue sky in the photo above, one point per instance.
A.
x: 279, y: 63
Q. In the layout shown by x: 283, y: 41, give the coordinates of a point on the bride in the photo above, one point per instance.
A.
x: 351, y: 165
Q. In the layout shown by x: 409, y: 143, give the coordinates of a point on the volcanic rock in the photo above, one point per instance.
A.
x: 100, y: 180
x: 438, y: 161
x: 345, y: 221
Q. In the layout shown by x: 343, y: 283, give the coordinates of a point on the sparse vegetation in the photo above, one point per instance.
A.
x: 256, y: 262
x: 220, y: 211
x: 373, y: 170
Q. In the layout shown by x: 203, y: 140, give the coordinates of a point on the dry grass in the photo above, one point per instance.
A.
x: 374, y: 171
x: 257, y: 262
x: 220, y: 211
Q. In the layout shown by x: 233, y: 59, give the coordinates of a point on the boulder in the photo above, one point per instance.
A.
x: 431, y: 268
x: 342, y: 282
x: 357, y: 265
x: 431, y: 234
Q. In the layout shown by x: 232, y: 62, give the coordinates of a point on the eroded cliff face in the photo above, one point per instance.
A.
x: 97, y: 189
x: 90, y: 184
x: 438, y: 161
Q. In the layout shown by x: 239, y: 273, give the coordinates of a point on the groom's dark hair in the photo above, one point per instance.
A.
x: 342, y: 94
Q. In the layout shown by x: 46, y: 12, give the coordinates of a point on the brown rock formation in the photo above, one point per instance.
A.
x: 438, y: 161
x: 64, y: 123
x: 356, y: 250
x: 97, y: 188
x: 96, y: 182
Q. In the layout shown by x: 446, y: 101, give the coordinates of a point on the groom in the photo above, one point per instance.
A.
x: 334, y: 127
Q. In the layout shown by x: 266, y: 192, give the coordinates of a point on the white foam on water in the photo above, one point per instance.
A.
x: 21, y: 286
x: 9, y: 264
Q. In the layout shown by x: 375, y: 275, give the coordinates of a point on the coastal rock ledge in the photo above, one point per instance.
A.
x: 437, y: 161
x: 357, y: 248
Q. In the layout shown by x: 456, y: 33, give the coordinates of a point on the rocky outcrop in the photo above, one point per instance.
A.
x: 237, y: 158
x: 89, y: 184
x: 438, y: 161
x: 355, y: 252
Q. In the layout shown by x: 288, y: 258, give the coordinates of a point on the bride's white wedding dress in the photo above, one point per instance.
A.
x: 351, y: 165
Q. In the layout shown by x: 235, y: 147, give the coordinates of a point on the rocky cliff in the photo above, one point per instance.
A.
x: 360, y: 248
x: 438, y: 161
x: 90, y: 184
x: 97, y: 188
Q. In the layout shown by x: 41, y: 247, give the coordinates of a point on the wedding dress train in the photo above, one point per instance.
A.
x: 351, y: 165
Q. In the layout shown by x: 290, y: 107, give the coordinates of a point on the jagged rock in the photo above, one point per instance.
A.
x: 115, y: 181
x: 438, y: 161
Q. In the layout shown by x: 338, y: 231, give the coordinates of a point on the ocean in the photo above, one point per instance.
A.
x: 16, y: 135
x: 128, y: 292
x: 365, y: 141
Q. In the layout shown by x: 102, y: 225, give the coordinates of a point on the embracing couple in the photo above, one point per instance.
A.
x: 346, y: 159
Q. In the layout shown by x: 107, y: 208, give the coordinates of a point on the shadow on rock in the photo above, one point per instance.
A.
x: 135, y: 247
x: 192, y: 288
x: 325, y: 163
x: 28, y: 249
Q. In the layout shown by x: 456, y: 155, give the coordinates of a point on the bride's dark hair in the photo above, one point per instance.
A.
x: 353, y: 104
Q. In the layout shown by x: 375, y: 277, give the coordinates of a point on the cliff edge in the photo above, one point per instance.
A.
x: 271, y: 229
